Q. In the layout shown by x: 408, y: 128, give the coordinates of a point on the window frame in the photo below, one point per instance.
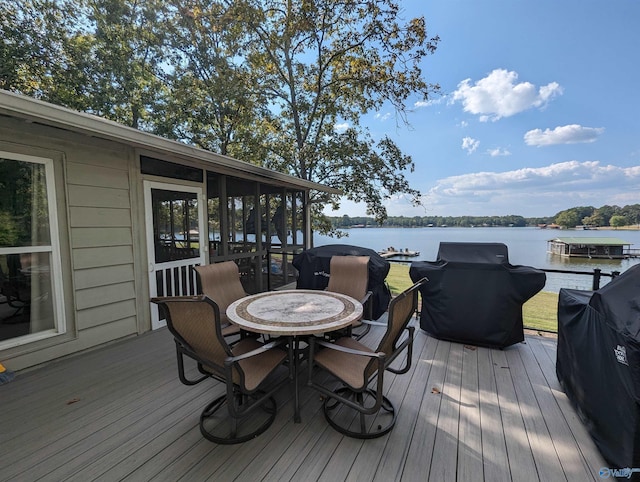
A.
x: 60, y: 324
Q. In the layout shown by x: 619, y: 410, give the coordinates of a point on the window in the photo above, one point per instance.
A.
x: 30, y: 270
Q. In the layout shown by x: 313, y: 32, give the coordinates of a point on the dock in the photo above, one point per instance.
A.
x: 591, y: 247
x: 391, y: 252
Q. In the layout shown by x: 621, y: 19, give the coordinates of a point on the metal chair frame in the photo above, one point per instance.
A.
x: 380, y: 361
x: 240, y: 401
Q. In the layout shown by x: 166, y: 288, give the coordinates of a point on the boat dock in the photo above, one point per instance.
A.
x: 596, y: 247
x: 391, y: 252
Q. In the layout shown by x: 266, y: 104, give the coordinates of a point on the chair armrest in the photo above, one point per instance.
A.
x: 366, y: 297
x: 407, y: 343
x: 264, y: 348
x: 343, y: 349
x: 367, y: 302
x: 375, y: 323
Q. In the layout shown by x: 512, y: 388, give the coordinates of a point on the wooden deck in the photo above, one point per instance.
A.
x: 465, y: 413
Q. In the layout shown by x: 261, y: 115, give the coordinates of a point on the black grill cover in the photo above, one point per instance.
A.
x: 598, y: 364
x: 313, y: 268
x: 474, y: 295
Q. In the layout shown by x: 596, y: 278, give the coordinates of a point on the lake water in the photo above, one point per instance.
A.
x: 527, y: 246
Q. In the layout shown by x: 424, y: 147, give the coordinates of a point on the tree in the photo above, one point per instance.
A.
x: 44, y: 52
x: 324, y: 64
x: 596, y: 219
x: 125, y: 79
x: 603, y: 214
x: 569, y: 218
x: 279, y: 83
x: 210, y: 100
x: 618, y: 221
x: 632, y: 213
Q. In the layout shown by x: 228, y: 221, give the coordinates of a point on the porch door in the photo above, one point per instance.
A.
x: 174, y: 218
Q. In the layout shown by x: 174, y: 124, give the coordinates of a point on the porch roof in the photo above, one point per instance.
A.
x: 595, y: 241
x: 37, y: 111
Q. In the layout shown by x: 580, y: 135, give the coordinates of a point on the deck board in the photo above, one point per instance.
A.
x: 445, y: 449
x: 470, y: 434
x: 419, y: 458
x: 581, y: 460
x: 544, y: 454
x: 390, y: 452
x: 495, y: 460
x: 464, y: 413
x: 521, y: 461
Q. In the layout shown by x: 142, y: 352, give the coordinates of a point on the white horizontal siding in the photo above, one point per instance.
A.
x: 103, y: 276
x: 102, y: 247
x: 102, y: 315
x: 100, y: 237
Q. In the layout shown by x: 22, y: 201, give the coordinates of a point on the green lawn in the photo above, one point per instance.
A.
x: 540, y: 312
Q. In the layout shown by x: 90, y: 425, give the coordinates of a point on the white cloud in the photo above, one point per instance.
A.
x: 341, y: 127
x: 541, y: 191
x: 498, y: 95
x: 469, y: 144
x: 569, y: 134
x: 382, y: 117
x: 426, y: 103
x: 498, y: 151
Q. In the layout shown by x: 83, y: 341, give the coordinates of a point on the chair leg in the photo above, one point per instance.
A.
x: 361, y: 334
x: 181, y: 373
x: 341, y: 414
x: 222, y: 427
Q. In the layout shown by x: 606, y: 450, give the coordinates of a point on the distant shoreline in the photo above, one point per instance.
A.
x: 600, y: 228
x: 621, y: 228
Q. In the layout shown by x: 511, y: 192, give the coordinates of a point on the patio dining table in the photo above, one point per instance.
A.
x: 295, y: 314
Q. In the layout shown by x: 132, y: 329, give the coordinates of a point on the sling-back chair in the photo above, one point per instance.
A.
x: 248, y: 369
x: 349, y: 275
x: 221, y: 283
x: 353, y: 406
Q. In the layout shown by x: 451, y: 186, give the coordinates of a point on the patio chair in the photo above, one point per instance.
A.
x: 221, y: 283
x: 247, y: 369
x: 356, y: 366
x: 349, y: 275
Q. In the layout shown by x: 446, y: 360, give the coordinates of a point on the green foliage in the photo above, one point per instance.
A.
x: 432, y: 221
x: 618, y: 221
x: 601, y: 216
x: 211, y: 98
x: 43, y: 52
x: 570, y: 218
x: 126, y: 44
x: 266, y: 81
x: 9, y: 233
x: 325, y: 63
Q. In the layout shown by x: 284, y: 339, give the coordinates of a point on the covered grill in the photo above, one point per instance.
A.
x: 313, y: 268
x: 598, y: 363
x: 474, y: 295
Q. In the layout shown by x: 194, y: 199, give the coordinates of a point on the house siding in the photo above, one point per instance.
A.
x: 98, y: 247
x: 100, y: 207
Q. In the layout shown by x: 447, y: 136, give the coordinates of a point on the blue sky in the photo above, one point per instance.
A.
x: 538, y: 110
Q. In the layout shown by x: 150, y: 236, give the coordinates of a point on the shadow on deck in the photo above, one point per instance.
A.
x: 465, y: 413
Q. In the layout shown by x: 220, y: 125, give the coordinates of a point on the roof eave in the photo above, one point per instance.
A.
x: 34, y: 110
